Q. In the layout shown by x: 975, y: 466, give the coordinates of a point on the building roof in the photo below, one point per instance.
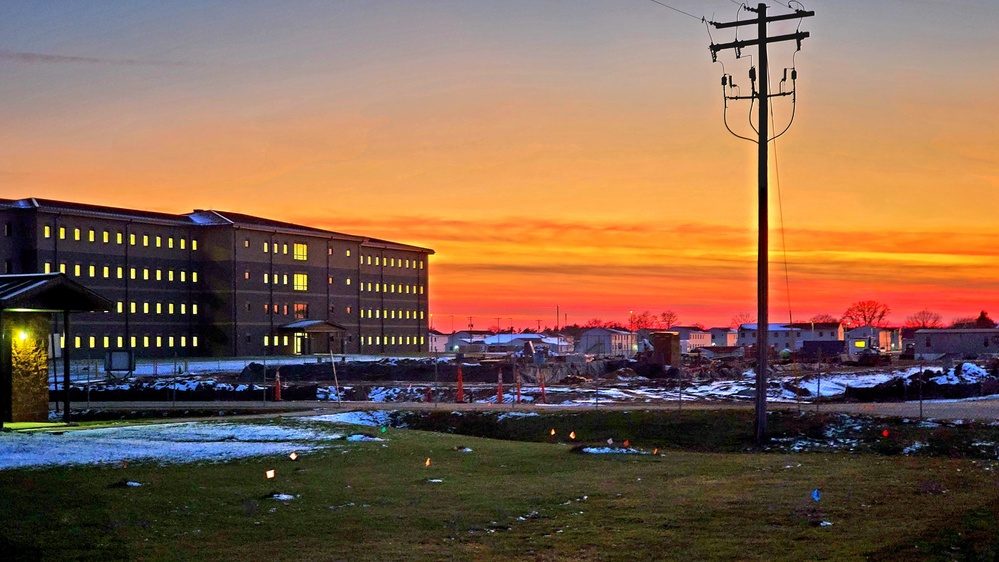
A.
x: 312, y: 326
x: 48, y: 292
x: 199, y: 217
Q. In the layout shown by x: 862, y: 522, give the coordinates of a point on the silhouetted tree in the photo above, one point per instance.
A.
x: 983, y: 321
x: 924, y: 319
x: 965, y: 322
x: 742, y: 318
x: 668, y: 319
x: 866, y: 313
x: 823, y: 318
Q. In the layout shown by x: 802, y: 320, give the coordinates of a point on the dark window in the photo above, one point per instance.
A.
x: 927, y: 341
x: 8, y: 266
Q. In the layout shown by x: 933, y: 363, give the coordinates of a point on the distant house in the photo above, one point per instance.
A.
x: 467, y: 341
x: 515, y: 342
x: 691, y: 337
x: 885, y: 339
x: 962, y: 342
x: 723, y: 337
x: 607, y: 341
x: 793, y: 336
x: 438, y: 342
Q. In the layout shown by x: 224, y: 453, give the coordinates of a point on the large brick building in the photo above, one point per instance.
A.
x: 213, y: 283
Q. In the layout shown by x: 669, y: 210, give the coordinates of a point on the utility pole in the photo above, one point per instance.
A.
x: 762, y: 96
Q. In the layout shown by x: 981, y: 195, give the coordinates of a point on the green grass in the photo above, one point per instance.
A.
x: 508, y: 500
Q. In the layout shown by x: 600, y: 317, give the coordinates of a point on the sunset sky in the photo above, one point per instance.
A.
x: 564, y: 153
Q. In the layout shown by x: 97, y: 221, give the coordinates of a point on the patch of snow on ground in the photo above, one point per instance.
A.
x: 373, y: 418
x: 163, y: 443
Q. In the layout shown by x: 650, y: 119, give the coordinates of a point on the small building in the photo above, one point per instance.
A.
x: 27, y: 304
x: 884, y: 339
x: 438, y: 341
x: 780, y: 336
x: 607, y: 341
x: 508, y: 343
x: 723, y: 337
x: 467, y: 341
x: 691, y: 337
x: 961, y: 342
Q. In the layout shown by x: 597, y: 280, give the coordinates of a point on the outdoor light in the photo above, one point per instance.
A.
x: 22, y: 335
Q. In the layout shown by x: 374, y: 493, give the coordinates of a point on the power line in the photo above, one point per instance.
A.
x: 678, y: 10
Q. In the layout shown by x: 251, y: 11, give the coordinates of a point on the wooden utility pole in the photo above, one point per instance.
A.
x: 762, y: 96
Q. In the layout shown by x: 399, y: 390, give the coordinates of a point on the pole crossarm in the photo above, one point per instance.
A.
x: 753, y: 97
x: 796, y: 15
x: 759, y: 42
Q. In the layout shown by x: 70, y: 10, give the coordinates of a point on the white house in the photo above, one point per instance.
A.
x: 691, y: 337
x: 724, y: 337
x: 437, y: 342
x: 964, y: 342
x: 607, y: 341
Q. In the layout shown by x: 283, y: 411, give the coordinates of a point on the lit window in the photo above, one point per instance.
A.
x: 348, y: 253
x: 131, y: 341
x: 121, y: 341
x: 159, y: 308
x: 106, y: 342
x: 183, y: 276
x: 92, y: 270
x: 76, y: 270
x: 194, y: 277
x: 330, y: 280
x: 301, y: 311
x: 170, y: 341
x: 301, y: 282
x: 62, y: 268
x: 266, y: 278
x: 348, y: 280
x: 76, y: 342
x: 267, y: 341
x: 76, y: 234
x: 120, y: 272
x: 194, y: 248
x: 145, y: 242
x: 48, y: 267
x: 121, y: 307
x: 145, y: 308
x: 145, y: 341
x: 159, y: 274
x: 284, y: 248
x: 91, y: 236
x: 131, y: 307
x: 170, y: 245
x: 369, y: 260
x: 421, y: 264
x: 118, y: 238
x: 194, y: 309
x: 183, y: 243
x: 422, y: 340
x: 274, y: 248
x: 285, y: 279
x: 301, y: 251
x: 62, y: 233
x: 183, y: 308
x: 183, y: 341
x: 246, y: 275
x: 267, y: 248
x: 48, y: 232
x: 246, y: 243
x: 159, y: 341
x: 106, y: 271
x: 170, y: 275
x: 145, y: 274
x: 169, y: 308
x: 377, y: 258
x: 159, y: 242
x: 285, y: 340
x: 131, y: 239
x: 392, y: 262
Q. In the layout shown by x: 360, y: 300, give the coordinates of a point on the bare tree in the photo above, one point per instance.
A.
x: 866, y: 313
x: 645, y: 320
x: 823, y: 319
x: 965, y: 322
x: 924, y: 319
x: 668, y: 319
x: 742, y: 318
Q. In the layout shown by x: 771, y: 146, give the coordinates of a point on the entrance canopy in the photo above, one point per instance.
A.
x: 48, y: 292
x: 312, y: 327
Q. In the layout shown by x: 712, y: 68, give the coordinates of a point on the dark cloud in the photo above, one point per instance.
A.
x: 39, y: 58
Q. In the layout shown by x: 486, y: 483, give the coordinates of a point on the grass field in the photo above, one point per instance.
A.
x: 507, y: 500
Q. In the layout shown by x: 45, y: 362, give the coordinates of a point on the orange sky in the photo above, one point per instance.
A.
x: 552, y: 153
